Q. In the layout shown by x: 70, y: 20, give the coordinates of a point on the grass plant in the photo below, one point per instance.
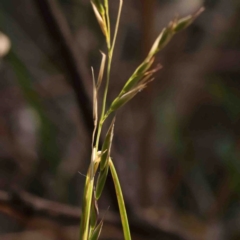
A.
x: 101, y: 162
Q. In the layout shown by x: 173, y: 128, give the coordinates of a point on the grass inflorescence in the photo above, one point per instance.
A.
x: 101, y: 162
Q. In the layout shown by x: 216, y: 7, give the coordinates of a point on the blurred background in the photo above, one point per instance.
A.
x: 176, y: 145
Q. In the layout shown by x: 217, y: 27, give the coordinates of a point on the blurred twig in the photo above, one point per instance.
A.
x: 24, y: 206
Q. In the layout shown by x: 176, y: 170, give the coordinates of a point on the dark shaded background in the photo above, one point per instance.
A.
x: 176, y: 145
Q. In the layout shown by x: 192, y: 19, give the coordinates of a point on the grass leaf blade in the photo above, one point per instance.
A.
x: 106, y: 148
x: 121, y: 204
x: 101, y: 182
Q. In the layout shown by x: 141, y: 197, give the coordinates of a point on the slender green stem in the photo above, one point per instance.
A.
x: 107, y: 85
x: 110, y: 54
x: 117, y: 25
x: 98, y: 135
x: 86, y: 206
x: 101, y: 121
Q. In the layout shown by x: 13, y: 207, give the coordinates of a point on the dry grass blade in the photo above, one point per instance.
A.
x: 95, y: 107
x: 154, y: 70
x: 101, y: 71
x: 99, y: 6
x: 100, y: 19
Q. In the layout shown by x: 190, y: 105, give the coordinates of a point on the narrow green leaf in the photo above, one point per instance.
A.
x: 101, y: 182
x: 96, y: 233
x: 106, y: 148
x: 121, y: 204
x: 94, y: 212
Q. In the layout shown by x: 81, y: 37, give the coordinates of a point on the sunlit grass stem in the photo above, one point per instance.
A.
x: 110, y: 55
